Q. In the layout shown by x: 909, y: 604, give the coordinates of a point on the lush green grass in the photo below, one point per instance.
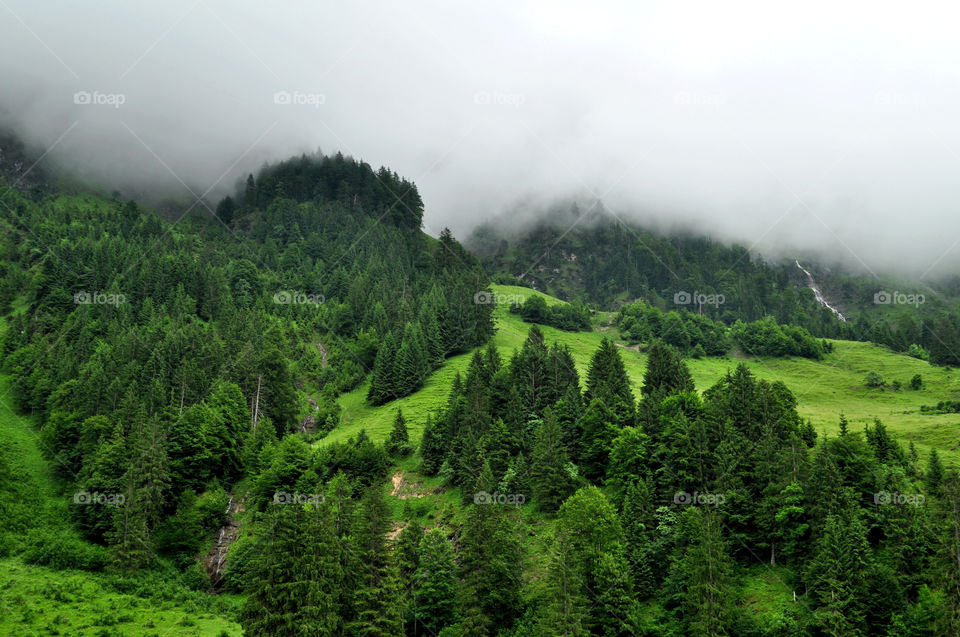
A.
x: 823, y: 388
x: 40, y: 601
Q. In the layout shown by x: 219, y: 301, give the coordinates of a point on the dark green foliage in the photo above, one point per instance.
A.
x: 490, y: 565
x: 550, y: 481
x: 933, y: 476
x: 293, y: 586
x: 225, y: 210
x: 572, y: 317
x: 399, y: 441
x: 916, y: 382
x: 435, y: 584
x: 607, y: 382
x: 378, y: 596
x: 768, y: 338
x: 873, y: 379
x: 666, y: 372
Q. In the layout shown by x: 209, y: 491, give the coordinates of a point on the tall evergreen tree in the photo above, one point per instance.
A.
x: 293, y: 586
x: 435, y: 583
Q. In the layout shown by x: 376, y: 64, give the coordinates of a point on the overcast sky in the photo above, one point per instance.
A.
x: 814, y: 124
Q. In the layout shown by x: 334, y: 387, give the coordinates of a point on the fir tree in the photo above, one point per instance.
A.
x: 548, y: 477
x: 435, y: 583
x: 295, y: 580
x: 399, y: 441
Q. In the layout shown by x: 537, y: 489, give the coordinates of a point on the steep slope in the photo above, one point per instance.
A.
x: 824, y: 389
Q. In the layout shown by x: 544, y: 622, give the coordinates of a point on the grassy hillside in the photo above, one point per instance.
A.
x: 37, y: 600
x: 823, y: 388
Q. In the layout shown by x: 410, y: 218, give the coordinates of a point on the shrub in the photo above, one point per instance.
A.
x: 874, y: 379
x: 58, y: 550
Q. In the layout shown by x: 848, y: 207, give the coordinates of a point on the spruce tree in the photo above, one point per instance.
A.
x: 703, y: 572
x: 666, y: 372
x: 566, y: 610
x: 399, y: 441
x: 432, y: 447
x: 607, y: 381
x: 295, y: 580
x: 435, y: 584
x: 548, y: 466
x: 379, y: 611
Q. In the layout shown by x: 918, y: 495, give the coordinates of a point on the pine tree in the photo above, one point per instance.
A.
x: 435, y: 584
x: 407, y: 557
x: 835, y: 575
x: 598, y: 429
x: 703, y: 571
x: 399, y: 441
x: 379, y: 612
x: 490, y: 562
x: 432, y: 447
x: 384, y: 386
x: 566, y: 610
x: 615, y: 610
x: 666, y: 372
x: 638, y: 522
x: 295, y: 580
x: 548, y: 476
x: 607, y: 382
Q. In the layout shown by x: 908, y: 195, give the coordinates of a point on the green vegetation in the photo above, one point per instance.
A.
x: 306, y: 405
x: 603, y: 261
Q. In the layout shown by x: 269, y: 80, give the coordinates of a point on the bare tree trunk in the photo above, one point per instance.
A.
x: 256, y: 403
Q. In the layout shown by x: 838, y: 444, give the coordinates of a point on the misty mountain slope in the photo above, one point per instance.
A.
x: 603, y: 261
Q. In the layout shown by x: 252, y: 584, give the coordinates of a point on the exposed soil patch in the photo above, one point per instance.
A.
x: 403, y: 488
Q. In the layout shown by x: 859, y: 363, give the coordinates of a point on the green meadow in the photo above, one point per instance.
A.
x: 824, y: 389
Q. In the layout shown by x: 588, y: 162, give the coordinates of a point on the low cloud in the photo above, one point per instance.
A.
x: 832, y: 128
